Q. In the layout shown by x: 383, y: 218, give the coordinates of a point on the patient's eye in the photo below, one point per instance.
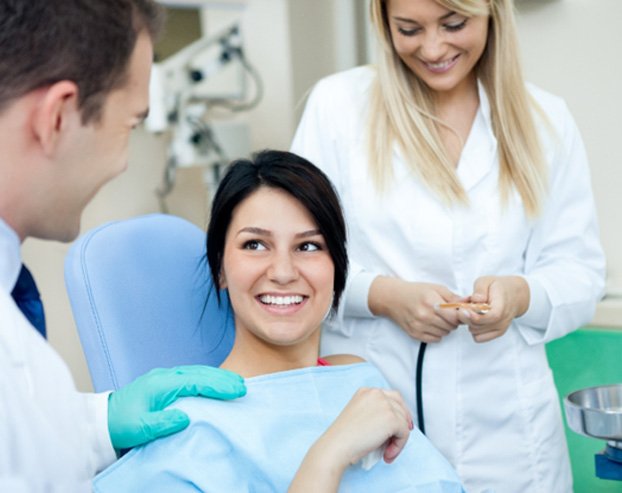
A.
x: 253, y: 245
x: 310, y: 246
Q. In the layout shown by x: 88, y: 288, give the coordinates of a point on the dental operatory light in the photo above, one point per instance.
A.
x: 184, y: 102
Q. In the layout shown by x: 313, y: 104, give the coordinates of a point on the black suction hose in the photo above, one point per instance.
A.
x: 418, y: 385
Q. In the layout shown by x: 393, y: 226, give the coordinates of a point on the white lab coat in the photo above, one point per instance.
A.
x: 52, y: 437
x: 491, y: 408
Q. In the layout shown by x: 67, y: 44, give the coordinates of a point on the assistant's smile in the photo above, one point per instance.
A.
x: 443, y: 66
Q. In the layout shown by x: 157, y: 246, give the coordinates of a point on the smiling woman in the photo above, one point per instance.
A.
x: 280, y: 278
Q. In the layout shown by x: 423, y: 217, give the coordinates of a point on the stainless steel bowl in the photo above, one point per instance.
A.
x: 596, y: 412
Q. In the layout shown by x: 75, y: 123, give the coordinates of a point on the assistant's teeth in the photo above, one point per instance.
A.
x: 439, y: 65
x: 280, y: 300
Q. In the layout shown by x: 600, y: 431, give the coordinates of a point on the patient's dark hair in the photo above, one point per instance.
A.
x: 89, y: 42
x: 299, y: 178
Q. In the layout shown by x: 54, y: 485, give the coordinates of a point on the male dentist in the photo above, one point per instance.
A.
x: 74, y: 78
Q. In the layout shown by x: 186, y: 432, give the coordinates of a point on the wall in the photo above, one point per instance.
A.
x: 570, y: 48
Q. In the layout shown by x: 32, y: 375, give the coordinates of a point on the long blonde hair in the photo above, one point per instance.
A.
x: 402, y: 112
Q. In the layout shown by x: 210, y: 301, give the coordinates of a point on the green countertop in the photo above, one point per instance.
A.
x: 588, y: 357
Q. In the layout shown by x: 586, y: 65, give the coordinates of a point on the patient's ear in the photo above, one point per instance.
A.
x: 222, y: 281
x: 57, y: 108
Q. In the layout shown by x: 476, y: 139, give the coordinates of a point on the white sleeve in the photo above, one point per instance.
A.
x: 52, y: 437
x: 101, y: 449
x: 565, y: 263
x: 321, y: 138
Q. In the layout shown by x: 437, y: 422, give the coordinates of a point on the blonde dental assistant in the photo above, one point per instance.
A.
x: 461, y: 181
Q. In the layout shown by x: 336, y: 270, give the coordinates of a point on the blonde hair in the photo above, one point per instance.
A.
x: 402, y: 112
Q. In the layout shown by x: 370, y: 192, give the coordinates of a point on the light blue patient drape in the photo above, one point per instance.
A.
x: 256, y: 443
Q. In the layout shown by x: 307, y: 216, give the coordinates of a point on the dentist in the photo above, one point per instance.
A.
x: 73, y: 84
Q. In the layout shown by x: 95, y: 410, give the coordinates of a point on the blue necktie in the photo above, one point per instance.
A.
x: 26, y: 295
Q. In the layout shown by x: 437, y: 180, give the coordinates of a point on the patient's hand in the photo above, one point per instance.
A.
x: 373, y: 418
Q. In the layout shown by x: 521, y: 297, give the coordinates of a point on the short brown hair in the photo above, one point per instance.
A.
x: 88, y: 42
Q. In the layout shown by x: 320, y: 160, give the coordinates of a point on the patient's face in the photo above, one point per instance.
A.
x: 277, y: 269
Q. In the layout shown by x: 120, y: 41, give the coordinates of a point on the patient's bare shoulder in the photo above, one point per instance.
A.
x: 343, y: 359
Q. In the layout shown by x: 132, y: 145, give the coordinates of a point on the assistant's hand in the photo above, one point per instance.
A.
x: 136, y: 412
x: 508, y: 297
x: 411, y: 305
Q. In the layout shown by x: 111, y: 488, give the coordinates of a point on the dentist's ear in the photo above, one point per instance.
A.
x: 57, y: 108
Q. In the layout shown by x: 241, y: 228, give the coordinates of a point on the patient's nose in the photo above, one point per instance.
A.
x: 283, y: 268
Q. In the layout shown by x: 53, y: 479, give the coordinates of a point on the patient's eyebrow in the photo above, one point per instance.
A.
x: 264, y: 232
x: 256, y: 231
x: 307, y: 234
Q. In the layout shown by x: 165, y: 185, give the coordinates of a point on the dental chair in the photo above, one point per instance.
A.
x: 142, y: 298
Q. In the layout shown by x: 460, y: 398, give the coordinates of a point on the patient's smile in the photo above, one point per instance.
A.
x: 267, y: 299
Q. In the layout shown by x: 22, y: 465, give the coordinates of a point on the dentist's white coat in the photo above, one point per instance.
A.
x: 491, y: 408
x: 53, y: 439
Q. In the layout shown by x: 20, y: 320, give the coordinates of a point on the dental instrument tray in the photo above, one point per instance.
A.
x: 596, y: 412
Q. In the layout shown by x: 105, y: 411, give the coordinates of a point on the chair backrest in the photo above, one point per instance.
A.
x: 142, y: 298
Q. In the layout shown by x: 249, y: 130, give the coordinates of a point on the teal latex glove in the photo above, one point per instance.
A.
x: 136, y: 412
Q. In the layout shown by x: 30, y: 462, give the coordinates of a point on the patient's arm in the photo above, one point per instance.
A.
x: 372, y: 418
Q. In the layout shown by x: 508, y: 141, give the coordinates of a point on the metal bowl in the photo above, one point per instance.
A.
x: 596, y: 412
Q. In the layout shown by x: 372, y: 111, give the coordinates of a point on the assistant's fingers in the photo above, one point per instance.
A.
x: 449, y: 317
x: 488, y: 336
x: 481, y: 289
x: 426, y: 333
x: 428, y: 338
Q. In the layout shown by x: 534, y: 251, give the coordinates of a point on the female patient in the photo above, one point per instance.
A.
x: 276, y: 243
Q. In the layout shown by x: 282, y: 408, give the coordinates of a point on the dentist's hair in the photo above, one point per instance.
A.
x: 299, y: 178
x: 402, y: 112
x: 88, y: 42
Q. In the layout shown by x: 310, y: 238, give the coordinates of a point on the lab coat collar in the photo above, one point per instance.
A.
x: 12, y: 342
x: 479, y: 152
x: 10, y: 257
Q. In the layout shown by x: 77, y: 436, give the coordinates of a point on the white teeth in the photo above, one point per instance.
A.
x: 441, y: 65
x: 280, y: 300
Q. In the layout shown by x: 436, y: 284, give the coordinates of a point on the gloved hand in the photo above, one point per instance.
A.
x: 135, y: 412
